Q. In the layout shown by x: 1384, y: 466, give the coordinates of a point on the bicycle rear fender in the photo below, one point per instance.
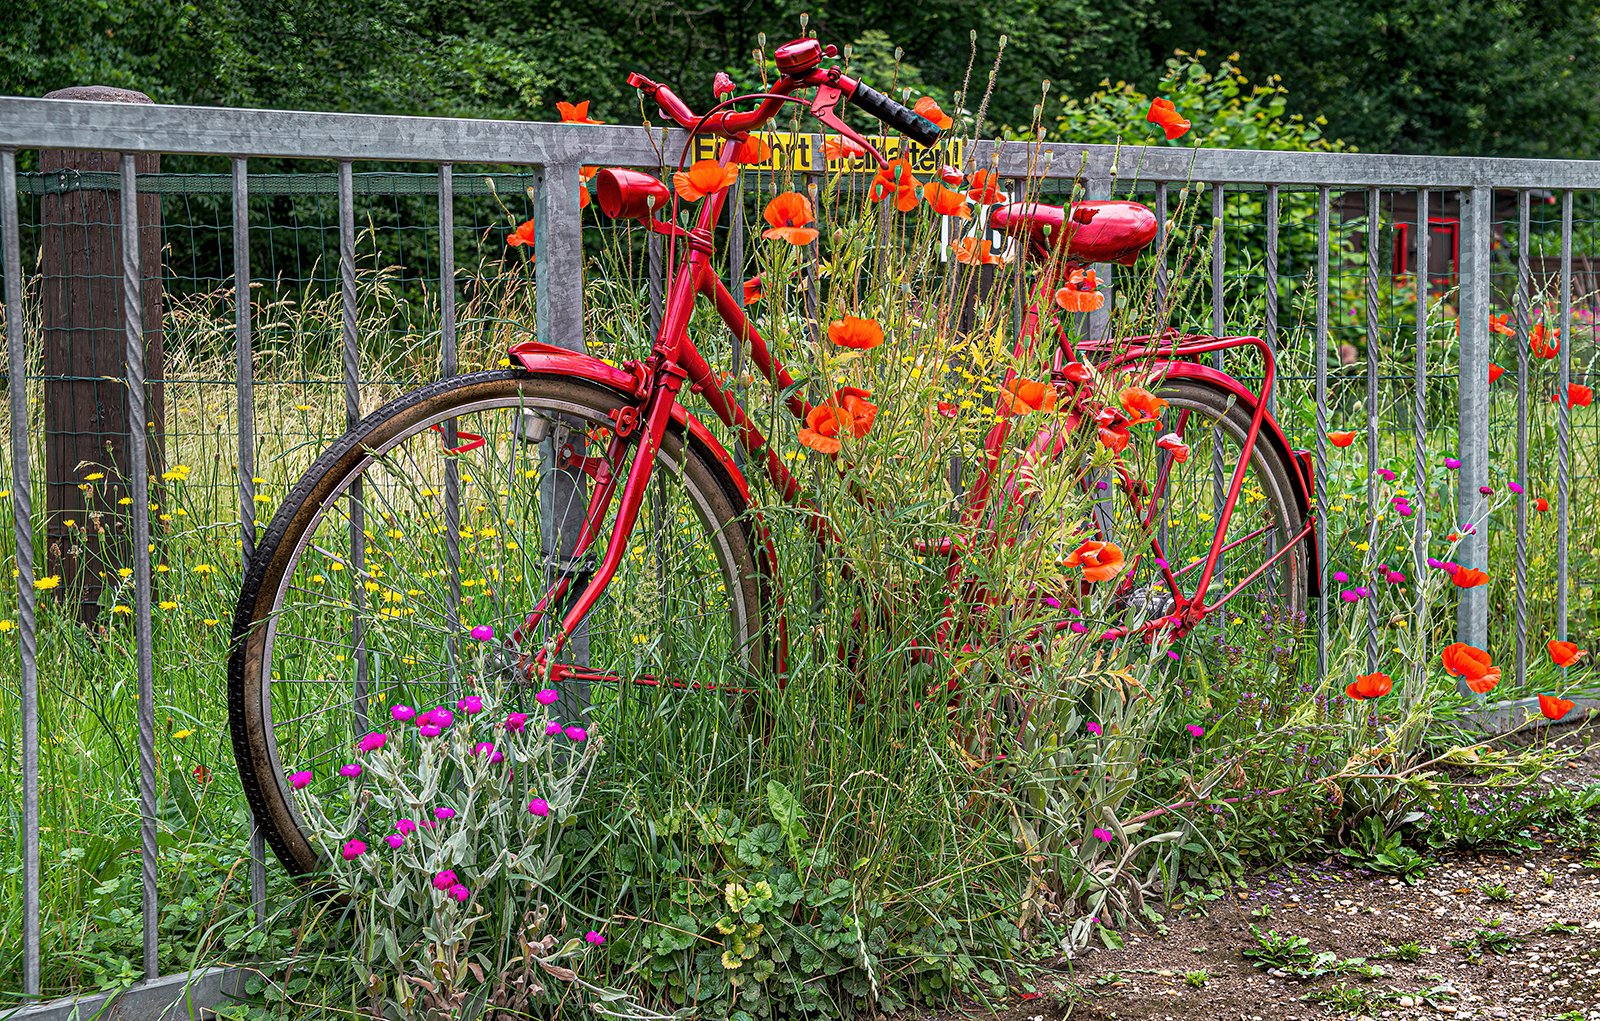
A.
x: 549, y: 360
x: 1300, y: 478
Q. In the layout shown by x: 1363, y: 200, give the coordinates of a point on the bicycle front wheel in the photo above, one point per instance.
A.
x: 445, y: 517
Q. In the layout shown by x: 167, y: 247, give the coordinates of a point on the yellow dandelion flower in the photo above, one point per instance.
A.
x: 124, y: 572
x: 211, y: 622
x: 122, y: 611
x: 7, y: 625
x: 125, y: 501
x: 94, y: 476
x: 183, y: 735
x: 49, y: 582
x: 203, y: 569
x: 177, y: 473
x: 167, y: 604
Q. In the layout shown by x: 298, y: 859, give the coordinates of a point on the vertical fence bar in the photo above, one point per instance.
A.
x: 1219, y: 477
x: 1099, y: 321
x: 244, y: 394
x: 558, y: 293
x: 1271, y: 259
x: 1373, y: 209
x: 139, y: 470
x: 1162, y: 240
x: 447, y: 368
x: 1419, y: 403
x: 352, y: 415
x: 1564, y: 418
x: 1524, y: 322
x: 1472, y: 610
x: 27, y: 596
x: 1322, y: 426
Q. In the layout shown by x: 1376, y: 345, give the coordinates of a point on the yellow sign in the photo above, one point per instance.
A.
x: 800, y: 153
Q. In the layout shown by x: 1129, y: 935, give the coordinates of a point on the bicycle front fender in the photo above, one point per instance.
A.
x: 1299, y: 477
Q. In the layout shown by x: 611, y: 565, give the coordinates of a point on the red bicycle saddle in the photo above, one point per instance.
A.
x: 1100, y: 231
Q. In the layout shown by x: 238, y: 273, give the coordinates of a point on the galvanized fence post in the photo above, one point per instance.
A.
x: 27, y: 597
x: 1472, y: 519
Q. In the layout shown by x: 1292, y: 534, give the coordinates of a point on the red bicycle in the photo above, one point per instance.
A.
x: 572, y: 521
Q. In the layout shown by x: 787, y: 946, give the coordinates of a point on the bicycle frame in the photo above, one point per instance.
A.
x: 675, y: 359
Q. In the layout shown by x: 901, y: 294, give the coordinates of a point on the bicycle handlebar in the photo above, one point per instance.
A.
x: 732, y: 123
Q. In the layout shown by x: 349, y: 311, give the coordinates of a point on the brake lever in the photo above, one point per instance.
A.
x: 823, y: 107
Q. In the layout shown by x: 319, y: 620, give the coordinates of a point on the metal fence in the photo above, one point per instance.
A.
x: 1293, y: 237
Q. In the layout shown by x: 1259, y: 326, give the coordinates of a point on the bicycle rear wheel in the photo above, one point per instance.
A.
x: 452, y: 508
x: 1263, y: 550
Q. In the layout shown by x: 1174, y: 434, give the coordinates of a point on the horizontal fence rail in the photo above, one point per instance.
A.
x: 1329, y: 225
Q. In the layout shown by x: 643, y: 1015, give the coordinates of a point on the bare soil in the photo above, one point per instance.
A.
x: 1550, y: 969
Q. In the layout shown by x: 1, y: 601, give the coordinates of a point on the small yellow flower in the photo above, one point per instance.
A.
x: 50, y: 582
x: 319, y: 579
x: 262, y: 498
x: 94, y: 476
x: 125, y: 501
x: 6, y: 625
x: 162, y: 568
x: 124, y: 572
x: 167, y: 604
x: 183, y: 735
x: 258, y: 480
x: 177, y: 473
x: 4, y: 493
x: 122, y: 611
x: 71, y: 522
x: 203, y: 568
x: 302, y: 407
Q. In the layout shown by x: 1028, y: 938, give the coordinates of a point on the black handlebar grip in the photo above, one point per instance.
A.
x: 895, y: 115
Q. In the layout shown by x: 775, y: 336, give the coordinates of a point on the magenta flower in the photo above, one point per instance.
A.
x: 539, y: 807
x: 429, y: 729
x: 1350, y: 595
x: 1341, y: 577
x: 1102, y: 834
x: 353, y: 849
x: 593, y: 938
x: 548, y: 696
x: 516, y: 721
x: 394, y: 840
x: 352, y: 770
x: 1386, y: 475
x: 1078, y: 627
x: 577, y: 734
x: 300, y: 779
x: 1486, y: 490
x: 401, y: 713
x: 471, y: 705
x: 1093, y: 728
x: 552, y: 728
x: 1404, y: 509
x: 481, y: 747
x: 373, y: 741
x: 406, y: 826
x: 1452, y: 463
x: 444, y: 880
x: 1394, y: 577
x: 1195, y: 730
x: 482, y: 633
x: 441, y: 813
x: 460, y: 893
x: 1435, y: 564
x: 1514, y: 488
x: 441, y: 717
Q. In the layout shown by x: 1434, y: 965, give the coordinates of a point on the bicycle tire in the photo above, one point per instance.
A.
x: 250, y: 667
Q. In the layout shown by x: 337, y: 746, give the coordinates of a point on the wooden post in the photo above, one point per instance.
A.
x: 85, y: 391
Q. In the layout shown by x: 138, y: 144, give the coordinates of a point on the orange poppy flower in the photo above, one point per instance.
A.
x: 1472, y: 665
x: 583, y: 197
x: 1369, y: 686
x: 1022, y: 395
x: 523, y: 235
x: 1342, y: 439
x: 1555, y: 708
x: 1544, y: 343
x: 706, y: 177
x: 1495, y: 372
x: 859, y: 411
x: 1100, y: 561
x: 839, y: 147
x: 930, y: 109
x: 789, y: 213
x: 973, y: 252
x: 1165, y: 116
x: 752, y: 151
x: 752, y: 290
x: 1115, y: 436
x: 1541, y: 505
x: 983, y: 189
x: 895, y: 178
x: 1497, y: 324
x: 823, y: 424
x: 852, y: 332
x: 1142, y: 405
x: 1564, y: 653
x: 1080, y: 295
x: 1469, y: 577
x: 946, y: 201
x: 1578, y: 396
x: 575, y: 113
x: 1175, y: 446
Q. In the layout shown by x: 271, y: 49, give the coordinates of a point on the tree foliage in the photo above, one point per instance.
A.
x: 1503, y: 77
